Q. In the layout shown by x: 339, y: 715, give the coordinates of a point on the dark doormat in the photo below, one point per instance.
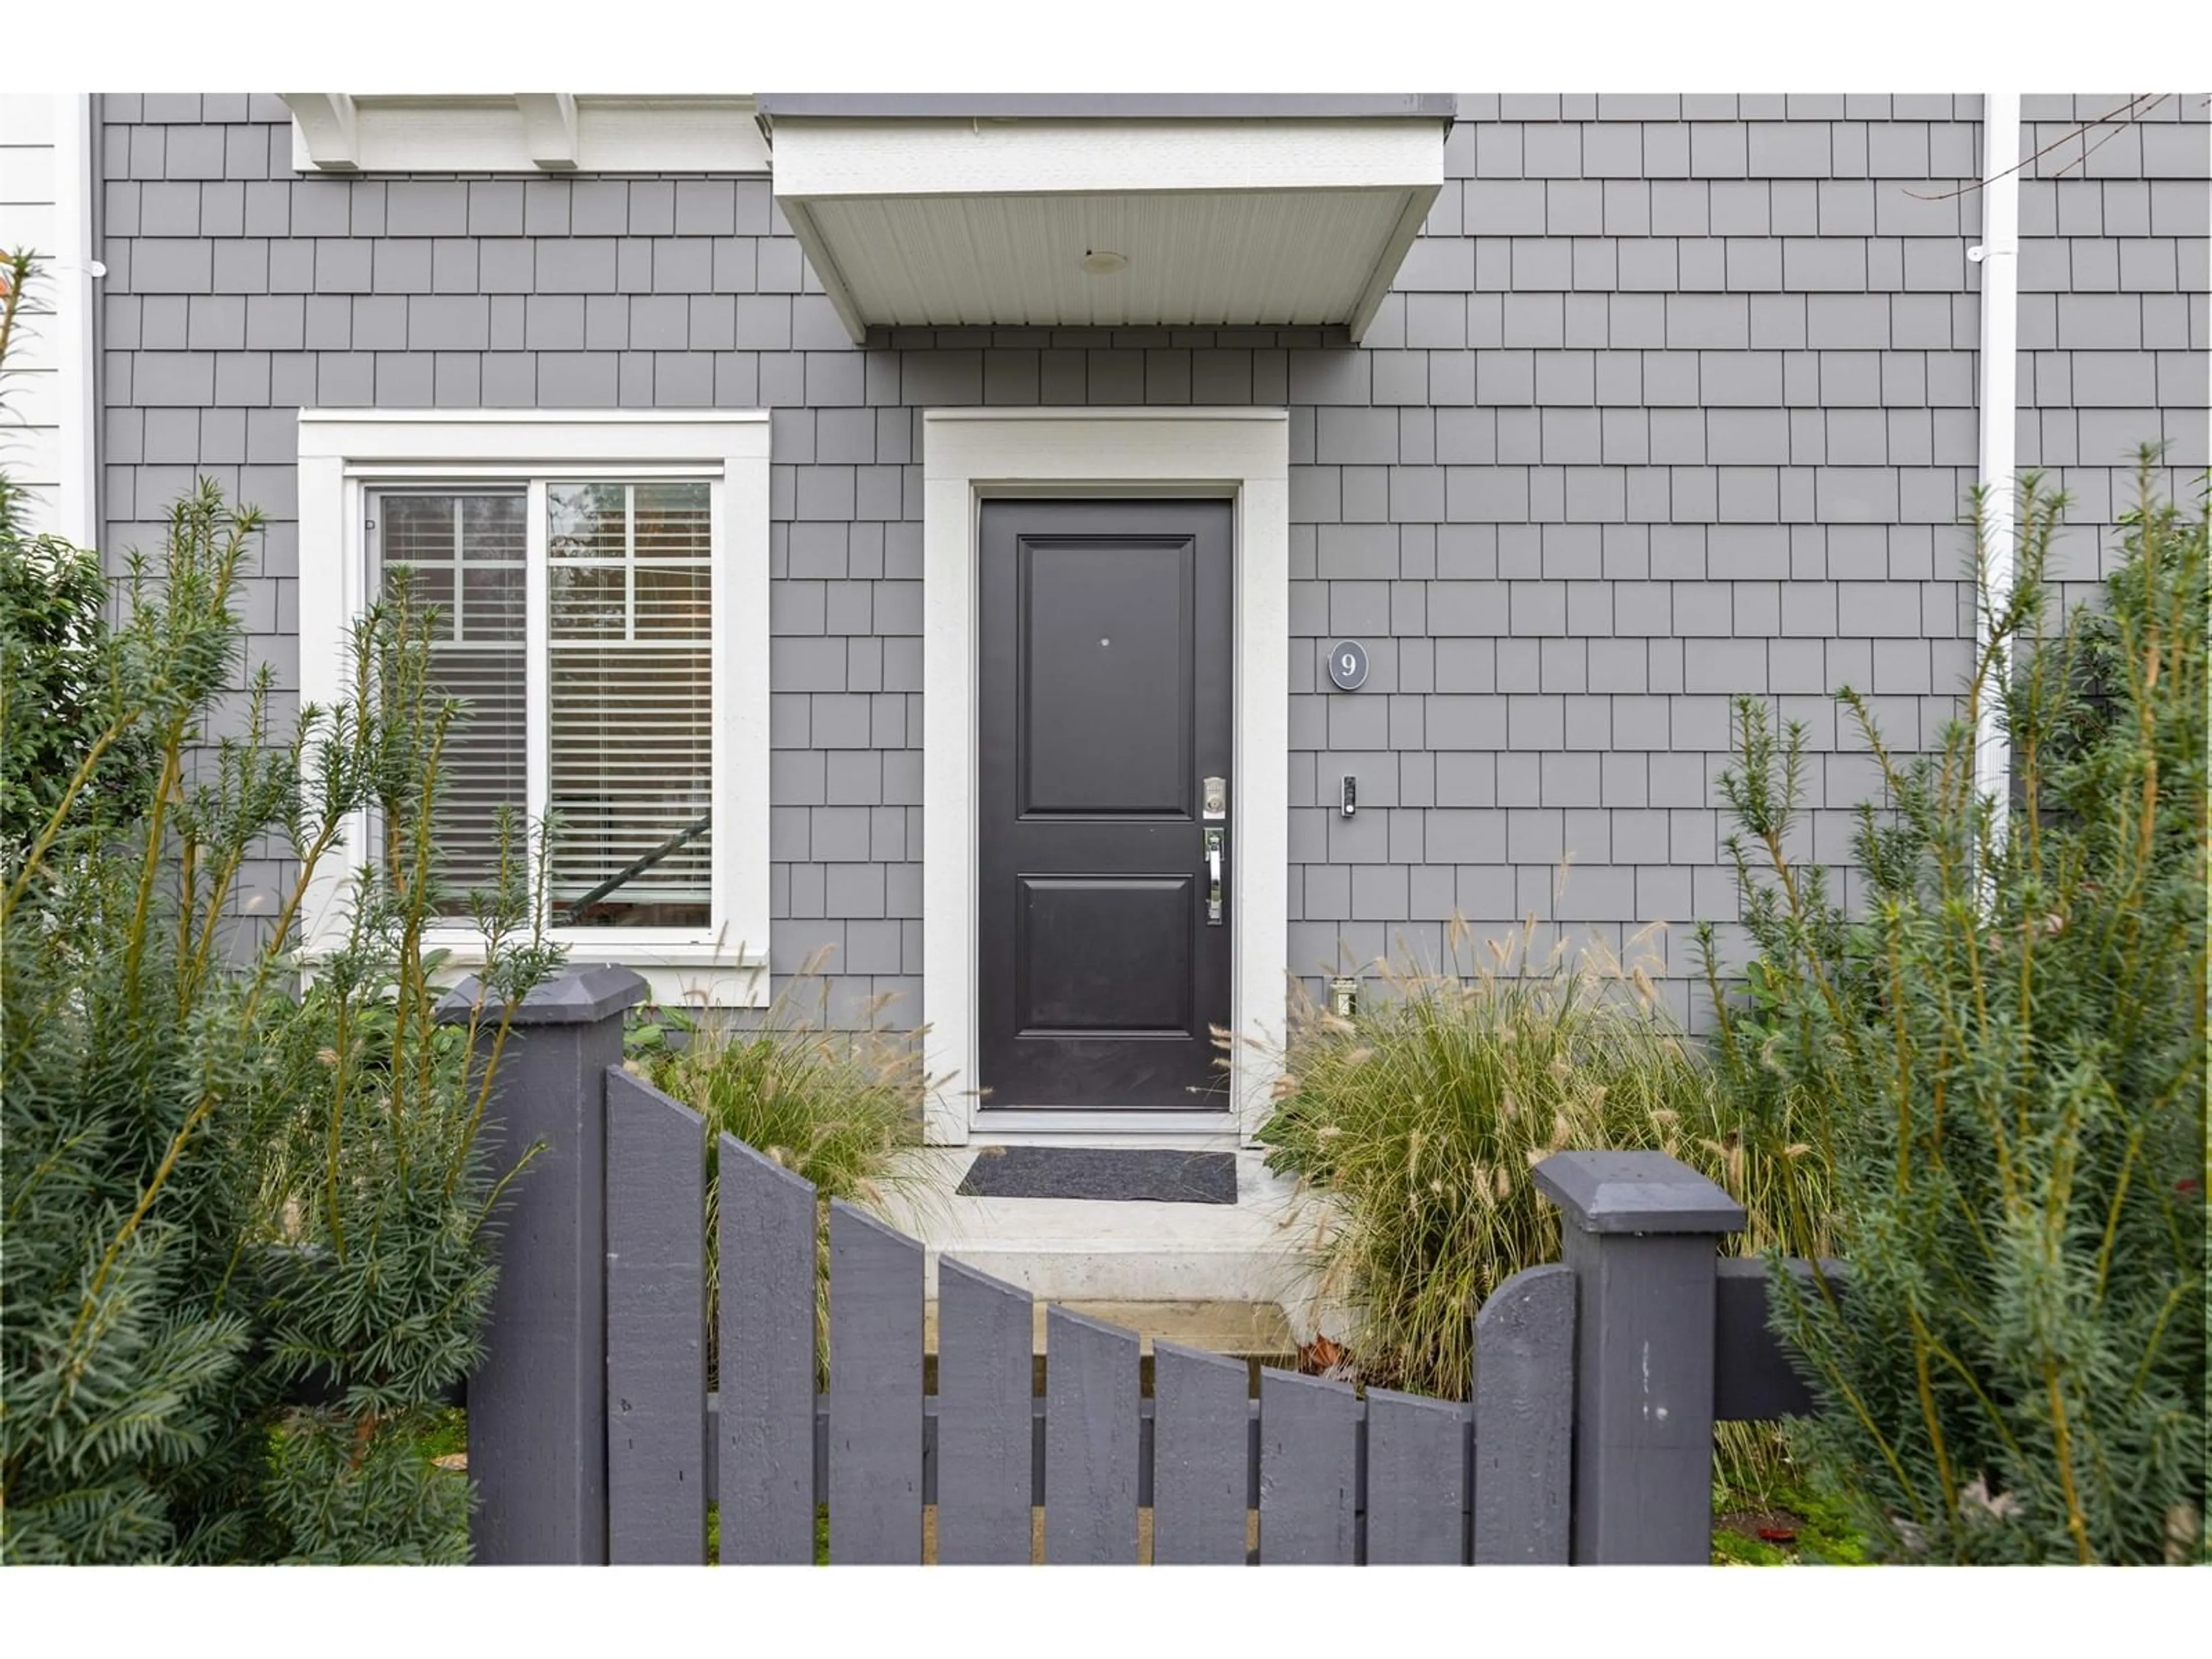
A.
x: 1162, y: 1175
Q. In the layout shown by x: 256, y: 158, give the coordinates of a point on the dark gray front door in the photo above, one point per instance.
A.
x: 1104, y: 692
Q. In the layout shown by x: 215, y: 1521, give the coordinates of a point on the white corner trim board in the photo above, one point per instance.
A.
x: 75, y: 274
x: 49, y: 412
x: 345, y: 453
x: 526, y: 133
x: 971, y: 453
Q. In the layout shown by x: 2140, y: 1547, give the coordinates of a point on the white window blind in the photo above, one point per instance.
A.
x: 466, y: 554
x: 628, y: 727
x: 630, y: 649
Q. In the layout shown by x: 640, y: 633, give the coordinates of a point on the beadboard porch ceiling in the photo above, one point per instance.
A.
x: 1117, y: 212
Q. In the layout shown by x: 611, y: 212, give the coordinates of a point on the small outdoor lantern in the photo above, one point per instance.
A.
x: 1343, y: 997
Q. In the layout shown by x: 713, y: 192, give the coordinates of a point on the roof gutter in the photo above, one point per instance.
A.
x: 1999, y: 258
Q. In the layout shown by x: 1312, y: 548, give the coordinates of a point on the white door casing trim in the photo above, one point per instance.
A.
x: 970, y: 454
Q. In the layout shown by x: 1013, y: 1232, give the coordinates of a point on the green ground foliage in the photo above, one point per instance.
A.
x: 1783, y: 1521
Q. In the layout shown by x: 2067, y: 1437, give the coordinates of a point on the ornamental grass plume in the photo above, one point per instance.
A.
x: 841, y: 1108
x: 1419, y: 1120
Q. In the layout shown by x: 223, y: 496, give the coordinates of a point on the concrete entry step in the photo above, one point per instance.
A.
x: 1240, y: 1329
x: 1198, y: 1268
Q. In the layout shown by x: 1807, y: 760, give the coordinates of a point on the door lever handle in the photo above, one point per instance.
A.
x: 1216, y: 843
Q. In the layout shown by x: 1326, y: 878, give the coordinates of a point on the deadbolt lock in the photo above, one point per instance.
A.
x: 1213, y: 799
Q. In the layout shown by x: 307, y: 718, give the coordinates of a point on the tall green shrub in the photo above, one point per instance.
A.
x: 53, y: 628
x: 2013, y: 1033
x: 247, y: 1245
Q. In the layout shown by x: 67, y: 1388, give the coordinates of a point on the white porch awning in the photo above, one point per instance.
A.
x: 1080, y: 211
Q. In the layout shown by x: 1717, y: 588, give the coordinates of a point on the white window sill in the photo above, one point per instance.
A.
x: 678, y: 974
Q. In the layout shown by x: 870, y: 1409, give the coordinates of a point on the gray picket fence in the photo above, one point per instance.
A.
x: 593, y: 1436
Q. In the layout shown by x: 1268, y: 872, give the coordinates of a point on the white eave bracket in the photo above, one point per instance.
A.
x: 549, y: 126
x: 325, y: 124
x: 529, y: 133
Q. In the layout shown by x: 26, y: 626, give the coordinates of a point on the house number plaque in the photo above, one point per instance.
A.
x: 1347, y: 665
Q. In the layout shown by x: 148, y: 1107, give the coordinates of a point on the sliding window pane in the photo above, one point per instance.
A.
x: 464, y: 555
x: 629, y: 649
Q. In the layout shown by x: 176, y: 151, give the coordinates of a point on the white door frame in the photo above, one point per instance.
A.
x: 1240, y: 453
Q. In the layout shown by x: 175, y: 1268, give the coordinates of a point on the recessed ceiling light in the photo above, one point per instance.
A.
x: 1101, y: 262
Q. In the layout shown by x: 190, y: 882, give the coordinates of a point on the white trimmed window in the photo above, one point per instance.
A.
x: 601, y: 586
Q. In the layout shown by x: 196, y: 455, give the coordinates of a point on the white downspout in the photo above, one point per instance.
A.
x: 1999, y: 258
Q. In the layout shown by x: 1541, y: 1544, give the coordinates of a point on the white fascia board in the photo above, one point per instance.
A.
x: 816, y: 246
x: 494, y: 132
x: 823, y: 159
x: 1416, y: 214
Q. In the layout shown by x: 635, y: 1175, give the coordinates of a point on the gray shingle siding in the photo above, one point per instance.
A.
x: 1674, y: 400
x: 2113, y: 225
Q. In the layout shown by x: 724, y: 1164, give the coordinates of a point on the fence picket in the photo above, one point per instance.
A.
x: 1090, y: 1441
x: 1416, y: 1481
x: 656, y: 1326
x: 1201, y: 1457
x: 1308, y: 1471
x: 765, y: 1470
x: 875, y: 1391
x: 985, y: 1332
x: 1524, y: 1393
x: 1598, y: 1378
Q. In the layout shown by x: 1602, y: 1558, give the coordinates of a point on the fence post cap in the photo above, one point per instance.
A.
x: 583, y: 995
x: 1636, y: 1193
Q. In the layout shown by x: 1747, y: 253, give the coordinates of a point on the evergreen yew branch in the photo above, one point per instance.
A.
x: 2015, y: 1375
x: 178, y: 1257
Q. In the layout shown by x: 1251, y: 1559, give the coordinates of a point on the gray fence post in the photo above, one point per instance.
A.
x: 1639, y: 1230
x: 538, y: 1404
